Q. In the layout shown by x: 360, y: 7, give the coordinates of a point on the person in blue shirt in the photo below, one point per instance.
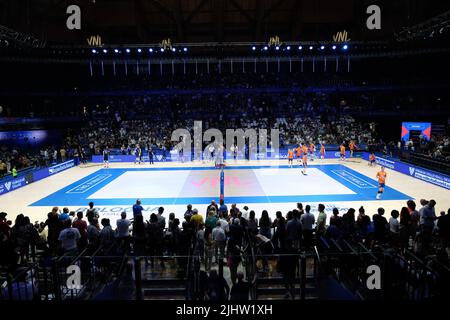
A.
x: 137, y: 209
x: 150, y: 155
x: 64, y: 215
x: 223, y: 207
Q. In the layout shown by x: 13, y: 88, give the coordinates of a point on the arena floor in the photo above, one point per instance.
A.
x: 269, y: 185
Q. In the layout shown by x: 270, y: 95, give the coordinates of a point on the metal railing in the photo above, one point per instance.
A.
x: 405, y: 277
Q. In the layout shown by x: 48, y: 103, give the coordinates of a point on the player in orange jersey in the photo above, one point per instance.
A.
x: 299, y: 153
x: 372, y: 160
x: 290, y: 157
x: 305, y: 163
x: 381, y: 176
x: 342, y: 151
x: 322, y: 151
x: 312, y: 151
x: 352, y: 147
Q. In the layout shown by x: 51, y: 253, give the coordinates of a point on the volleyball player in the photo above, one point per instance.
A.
x: 290, y: 157
x: 352, y: 147
x: 381, y: 175
x: 342, y: 151
x: 304, y: 163
x: 150, y: 155
x: 322, y: 151
x: 304, y: 149
x: 299, y: 153
x: 106, y: 158
x: 138, y: 154
x: 312, y: 150
x: 372, y: 160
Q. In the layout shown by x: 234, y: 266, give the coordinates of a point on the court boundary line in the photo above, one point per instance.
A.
x: 98, y: 182
x: 336, y: 172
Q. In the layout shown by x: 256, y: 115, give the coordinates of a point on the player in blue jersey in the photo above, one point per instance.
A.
x: 138, y: 154
x: 106, y: 157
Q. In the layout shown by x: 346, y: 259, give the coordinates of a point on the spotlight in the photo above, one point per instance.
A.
x: 253, y: 48
x: 322, y: 47
x: 185, y: 49
x: 162, y: 50
x: 116, y: 50
x: 277, y: 48
x: 128, y: 50
x: 300, y: 48
x: 139, y: 50
x: 173, y: 49
x: 288, y: 48
x: 311, y: 47
x: 333, y: 47
x: 345, y: 47
x: 94, y: 51
x: 265, y: 48
x: 105, y: 51
x: 150, y: 50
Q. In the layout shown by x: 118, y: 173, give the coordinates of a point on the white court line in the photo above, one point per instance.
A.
x: 106, y: 176
x: 337, y: 172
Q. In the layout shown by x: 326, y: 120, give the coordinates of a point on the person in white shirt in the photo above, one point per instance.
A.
x: 394, y: 225
x: 69, y: 238
x: 394, y: 228
x: 123, y: 230
x: 244, y: 213
x: 224, y: 224
x: 219, y: 238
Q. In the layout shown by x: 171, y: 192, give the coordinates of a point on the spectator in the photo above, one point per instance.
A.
x: 139, y: 235
x: 219, y: 238
x: 252, y: 223
x: 196, y: 219
x: 161, y: 219
x: 106, y: 235
x: 265, y: 224
x: 380, y: 225
x: 69, y: 237
x: 307, y: 220
x: 91, y: 212
x: 321, y: 220
x: 405, y: 227
x: 222, y: 207
x: 137, y: 209
x: 394, y: 228
x: 81, y: 226
x: 93, y: 234
x: 123, y: 228
x: 335, y: 220
x: 189, y: 211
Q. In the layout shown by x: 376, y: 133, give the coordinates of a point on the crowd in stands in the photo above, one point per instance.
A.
x: 123, y: 122
x: 224, y: 232
x: 12, y: 159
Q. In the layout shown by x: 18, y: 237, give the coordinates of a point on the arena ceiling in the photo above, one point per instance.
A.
x: 189, y: 21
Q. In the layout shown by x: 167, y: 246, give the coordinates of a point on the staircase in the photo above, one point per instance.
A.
x: 274, y: 289
x: 164, y: 289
